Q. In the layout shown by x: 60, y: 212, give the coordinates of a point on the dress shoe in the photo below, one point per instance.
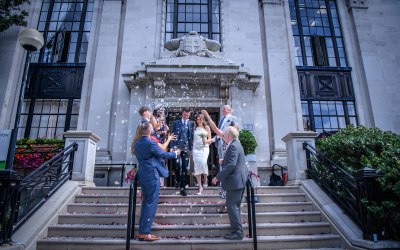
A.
x: 183, y: 192
x: 147, y: 237
x: 233, y: 236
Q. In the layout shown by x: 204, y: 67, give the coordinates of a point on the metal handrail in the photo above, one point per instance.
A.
x: 130, y: 231
x: 41, y: 184
x: 251, y: 211
x: 115, y: 164
x: 338, y: 183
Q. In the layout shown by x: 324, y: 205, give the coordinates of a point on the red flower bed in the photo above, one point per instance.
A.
x: 31, y: 153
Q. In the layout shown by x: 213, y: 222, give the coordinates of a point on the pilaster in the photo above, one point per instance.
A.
x: 103, y: 88
x: 282, y: 88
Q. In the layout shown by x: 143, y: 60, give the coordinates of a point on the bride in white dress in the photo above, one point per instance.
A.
x: 201, y: 149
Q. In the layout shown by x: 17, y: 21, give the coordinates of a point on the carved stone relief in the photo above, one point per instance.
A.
x: 357, y: 4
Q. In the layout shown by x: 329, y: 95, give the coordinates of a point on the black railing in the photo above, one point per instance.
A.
x: 20, y: 198
x: 130, y: 230
x: 111, y: 168
x: 251, y: 211
x: 346, y: 190
x: 339, y: 184
x: 41, y: 184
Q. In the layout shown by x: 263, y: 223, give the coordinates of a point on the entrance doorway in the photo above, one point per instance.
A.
x: 172, y: 114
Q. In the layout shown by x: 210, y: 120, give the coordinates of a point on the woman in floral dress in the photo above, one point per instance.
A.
x: 201, y: 150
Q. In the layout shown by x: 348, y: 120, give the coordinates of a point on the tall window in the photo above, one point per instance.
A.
x: 56, y: 71
x: 192, y: 15
x: 66, y: 25
x: 317, y: 34
x: 327, y: 95
x: 328, y: 116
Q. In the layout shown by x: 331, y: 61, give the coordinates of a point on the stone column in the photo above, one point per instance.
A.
x: 282, y: 88
x: 101, y: 104
x: 85, y: 156
x: 296, y: 156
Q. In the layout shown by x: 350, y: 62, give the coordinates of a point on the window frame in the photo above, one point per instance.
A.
x: 175, y: 33
x: 301, y: 32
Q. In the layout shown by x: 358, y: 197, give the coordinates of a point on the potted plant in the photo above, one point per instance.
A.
x: 248, y: 142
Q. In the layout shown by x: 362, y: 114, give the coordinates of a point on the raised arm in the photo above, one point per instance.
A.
x: 212, y: 124
x: 164, y: 146
x: 209, y: 140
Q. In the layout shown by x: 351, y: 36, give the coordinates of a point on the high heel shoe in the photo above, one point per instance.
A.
x: 200, y: 191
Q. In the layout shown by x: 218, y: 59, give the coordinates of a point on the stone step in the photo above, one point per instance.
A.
x: 193, y: 219
x: 204, y: 208
x: 264, y: 242
x: 176, y: 198
x: 176, y: 231
x: 190, y: 190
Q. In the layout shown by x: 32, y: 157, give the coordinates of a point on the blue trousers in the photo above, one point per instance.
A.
x: 150, y: 193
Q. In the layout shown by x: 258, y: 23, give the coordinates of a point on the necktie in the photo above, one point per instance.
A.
x: 221, y: 122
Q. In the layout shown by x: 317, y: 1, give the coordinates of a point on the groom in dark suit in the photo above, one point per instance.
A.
x: 149, y: 156
x: 233, y: 177
x: 183, y: 129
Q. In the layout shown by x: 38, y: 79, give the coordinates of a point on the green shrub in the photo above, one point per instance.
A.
x: 248, y: 142
x: 355, y: 148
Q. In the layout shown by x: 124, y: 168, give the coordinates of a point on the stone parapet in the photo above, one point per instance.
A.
x: 84, y: 159
x: 296, y: 156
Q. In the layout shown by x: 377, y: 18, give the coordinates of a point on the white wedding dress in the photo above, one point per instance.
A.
x: 200, y: 152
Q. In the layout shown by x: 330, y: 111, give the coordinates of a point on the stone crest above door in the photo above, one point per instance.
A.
x: 191, y: 74
x: 193, y: 44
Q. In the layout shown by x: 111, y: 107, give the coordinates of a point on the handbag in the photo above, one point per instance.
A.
x: 276, y: 180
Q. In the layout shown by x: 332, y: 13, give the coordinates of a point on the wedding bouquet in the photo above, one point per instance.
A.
x: 130, y: 175
x: 203, y: 136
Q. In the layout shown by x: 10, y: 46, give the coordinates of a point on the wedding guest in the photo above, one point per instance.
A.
x: 149, y: 156
x: 183, y: 129
x: 233, y: 177
x: 146, y: 116
x: 201, y: 150
x: 226, y: 121
x: 162, y: 133
x: 163, y: 146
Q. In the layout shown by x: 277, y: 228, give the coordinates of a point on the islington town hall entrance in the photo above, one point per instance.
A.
x: 192, y: 75
x: 172, y: 114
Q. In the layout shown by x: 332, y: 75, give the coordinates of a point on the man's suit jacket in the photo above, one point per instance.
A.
x: 227, y: 122
x: 234, y: 172
x: 149, y: 156
x: 177, y: 128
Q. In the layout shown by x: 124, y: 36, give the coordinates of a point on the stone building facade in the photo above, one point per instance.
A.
x: 283, y: 66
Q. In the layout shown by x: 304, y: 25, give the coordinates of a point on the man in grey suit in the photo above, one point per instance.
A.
x: 233, y: 177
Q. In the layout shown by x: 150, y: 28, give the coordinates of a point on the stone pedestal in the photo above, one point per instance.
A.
x: 296, y: 156
x: 84, y: 160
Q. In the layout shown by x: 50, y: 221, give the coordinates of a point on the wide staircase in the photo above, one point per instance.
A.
x: 98, y: 217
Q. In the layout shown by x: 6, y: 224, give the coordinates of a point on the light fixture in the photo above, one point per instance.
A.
x: 31, y: 40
